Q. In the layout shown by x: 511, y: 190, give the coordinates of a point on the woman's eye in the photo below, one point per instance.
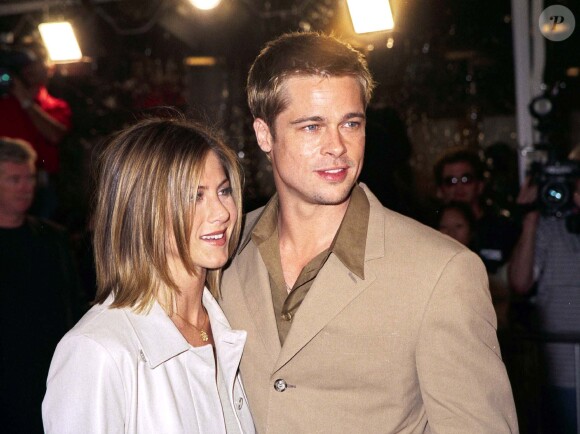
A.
x: 226, y: 191
x: 197, y: 197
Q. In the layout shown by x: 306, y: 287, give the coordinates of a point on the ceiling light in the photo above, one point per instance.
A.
x: 205, y: 4
x: 370, y: 15
x: 60, y: 41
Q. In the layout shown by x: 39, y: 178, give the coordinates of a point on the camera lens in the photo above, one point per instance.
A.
x: 5, y: 81
x: 555, y: 193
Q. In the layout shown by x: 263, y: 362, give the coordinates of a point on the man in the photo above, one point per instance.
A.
x: 547, y: 255
x: 39, y: 295
x: 459, y: 174
x: 459, y: 178
x: 359, y: 320
x: 30, y: 113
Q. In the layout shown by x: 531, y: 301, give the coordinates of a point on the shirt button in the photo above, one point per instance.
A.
x: 287, y: 316
x: 280, y: 385
x: 240, y: 403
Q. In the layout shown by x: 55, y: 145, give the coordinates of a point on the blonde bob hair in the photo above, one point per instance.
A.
x: 146, y: 175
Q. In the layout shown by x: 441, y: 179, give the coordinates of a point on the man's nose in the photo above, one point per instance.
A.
x: 334, y: 143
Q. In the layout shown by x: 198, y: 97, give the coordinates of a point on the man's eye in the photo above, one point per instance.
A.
x: 352, y: 124
x: 310, y: 128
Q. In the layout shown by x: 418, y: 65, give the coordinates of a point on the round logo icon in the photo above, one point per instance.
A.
x: 557, y: 23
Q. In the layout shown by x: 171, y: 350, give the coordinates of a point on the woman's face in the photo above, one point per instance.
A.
x: 213, y: 222
x: 455, y: 225
x: 215, y: 217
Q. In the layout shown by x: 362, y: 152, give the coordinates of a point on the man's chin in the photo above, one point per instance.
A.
x: 333, y: 198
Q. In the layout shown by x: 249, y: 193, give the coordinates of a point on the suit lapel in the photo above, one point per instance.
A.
x: 256, y: 288
x: 333, y: 289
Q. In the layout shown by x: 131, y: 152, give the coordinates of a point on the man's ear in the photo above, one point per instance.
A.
x: 263, y: 135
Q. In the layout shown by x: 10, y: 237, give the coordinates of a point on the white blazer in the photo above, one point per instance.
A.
x: 121, y: 372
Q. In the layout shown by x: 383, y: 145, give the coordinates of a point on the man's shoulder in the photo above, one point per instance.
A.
x: 399, y: 225
x: 47, y: 228
x: 47, y: 100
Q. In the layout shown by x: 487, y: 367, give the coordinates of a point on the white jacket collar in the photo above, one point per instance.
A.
x: 160, y: 340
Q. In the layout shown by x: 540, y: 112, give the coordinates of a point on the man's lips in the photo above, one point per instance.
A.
x: 333, y: 174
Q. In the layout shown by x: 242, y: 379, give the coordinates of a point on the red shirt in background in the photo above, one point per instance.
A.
x: 15, y: 123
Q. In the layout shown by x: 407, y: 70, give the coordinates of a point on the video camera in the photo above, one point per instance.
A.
x: 556, y: 182
x: 555, y: 176
x: 11, y: 62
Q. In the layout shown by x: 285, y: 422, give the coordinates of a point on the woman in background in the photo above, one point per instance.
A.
x: 457, y: 220
x: 156, y: 354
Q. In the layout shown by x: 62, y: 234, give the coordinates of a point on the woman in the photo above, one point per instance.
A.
x: 456, y: 220
x: 156, y: 354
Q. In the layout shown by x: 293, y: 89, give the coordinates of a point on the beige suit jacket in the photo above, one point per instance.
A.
x: 412, y: 348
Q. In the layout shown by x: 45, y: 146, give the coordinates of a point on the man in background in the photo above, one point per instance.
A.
x: 29, y: 112
x: 459, y: 176
x: 40, y: 294
x: 547, y: 257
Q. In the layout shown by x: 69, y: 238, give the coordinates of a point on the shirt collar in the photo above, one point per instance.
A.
x: 159, y: 338
x: 349, y: 242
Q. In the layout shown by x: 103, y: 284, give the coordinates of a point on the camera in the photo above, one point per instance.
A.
x: 555, y: 176
x: 556, y: 182
x: 11, y: 62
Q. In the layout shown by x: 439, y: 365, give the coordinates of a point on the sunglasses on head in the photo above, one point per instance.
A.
x: 465, y: 179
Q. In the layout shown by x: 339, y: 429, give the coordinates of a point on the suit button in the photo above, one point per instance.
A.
x: 280, y: 385
x: 287, y: 316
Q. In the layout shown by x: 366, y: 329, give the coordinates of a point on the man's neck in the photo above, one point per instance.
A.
x: 11, y: 221
x: 304, y: 232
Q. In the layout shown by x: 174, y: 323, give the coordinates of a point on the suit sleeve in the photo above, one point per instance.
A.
x: 464, y: 384
x: 85, y: 392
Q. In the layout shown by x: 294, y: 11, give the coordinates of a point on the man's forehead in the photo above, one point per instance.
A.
x: 15, y: 167
x: 456, y: 166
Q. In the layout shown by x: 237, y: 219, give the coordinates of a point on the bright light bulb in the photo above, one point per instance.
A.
x: 370, y: 15
x: 60, y: 41
x: 205, y: 4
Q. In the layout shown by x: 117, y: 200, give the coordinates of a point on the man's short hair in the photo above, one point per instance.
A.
x: 459, y: 155
x: 16, y: 151
x: 301, y: 54
x: 147, y: 179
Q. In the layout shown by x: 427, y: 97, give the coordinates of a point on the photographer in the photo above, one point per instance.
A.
x: 30, y: 113
x: 548, y: 255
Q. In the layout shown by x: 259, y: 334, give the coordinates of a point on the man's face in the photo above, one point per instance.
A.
x: 460, y: 184
x: 320, y: 137
x: 17, y: 182
x: 35, y: 74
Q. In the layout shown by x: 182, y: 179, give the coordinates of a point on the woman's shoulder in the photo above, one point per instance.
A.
x: 104, y: 327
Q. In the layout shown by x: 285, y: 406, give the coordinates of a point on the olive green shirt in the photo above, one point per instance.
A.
x: 348, y: 245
